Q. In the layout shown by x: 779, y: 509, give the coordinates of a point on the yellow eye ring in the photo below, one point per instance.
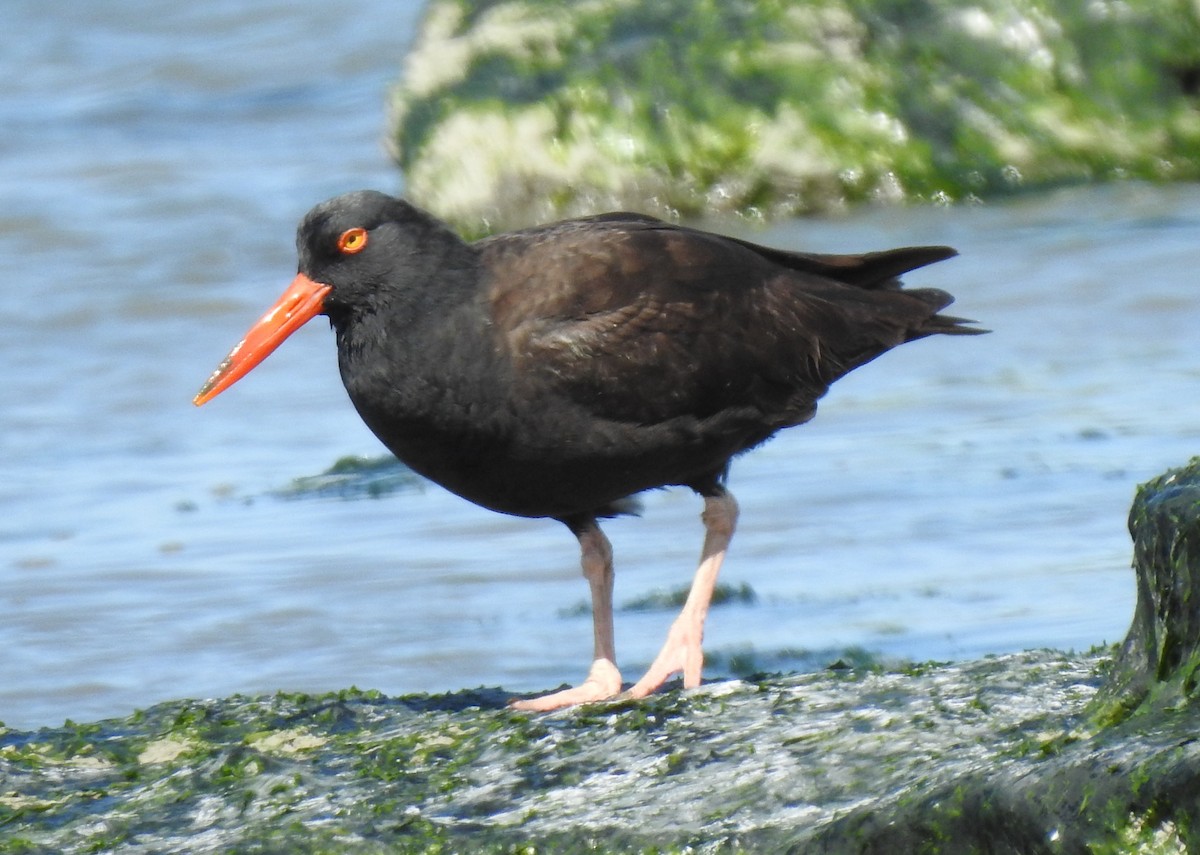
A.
x: 352, y: 241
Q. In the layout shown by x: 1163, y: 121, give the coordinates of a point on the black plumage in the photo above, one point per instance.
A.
x: 560, y: 370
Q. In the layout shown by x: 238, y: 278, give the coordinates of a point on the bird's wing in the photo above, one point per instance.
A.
x: 639, y: 320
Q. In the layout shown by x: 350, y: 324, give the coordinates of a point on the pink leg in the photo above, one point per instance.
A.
x: 603, y: 680
x: 682, y: 651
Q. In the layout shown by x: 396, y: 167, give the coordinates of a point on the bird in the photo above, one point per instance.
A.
x: 558, y: 371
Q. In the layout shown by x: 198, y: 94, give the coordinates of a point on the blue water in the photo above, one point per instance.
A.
x: 957, y: 497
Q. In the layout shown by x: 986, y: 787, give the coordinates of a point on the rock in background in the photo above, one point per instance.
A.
x: 512, y: 112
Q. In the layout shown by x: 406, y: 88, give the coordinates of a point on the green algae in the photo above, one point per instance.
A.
x: 998, y: 755
x: 669, y: 600
x: 517, y: 111
x: 756, y: 765
x: 354, y: 478
x: 1158, y: 664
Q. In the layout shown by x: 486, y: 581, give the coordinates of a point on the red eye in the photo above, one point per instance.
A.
x: 352, y: 241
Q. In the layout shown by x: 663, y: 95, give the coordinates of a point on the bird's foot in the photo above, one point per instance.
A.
x: 681, y: 652
x: 603, y: 682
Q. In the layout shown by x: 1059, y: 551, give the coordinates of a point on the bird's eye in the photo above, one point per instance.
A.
x: 352, y: 241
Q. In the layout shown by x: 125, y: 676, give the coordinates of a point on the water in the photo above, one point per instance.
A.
x: 956, y: 498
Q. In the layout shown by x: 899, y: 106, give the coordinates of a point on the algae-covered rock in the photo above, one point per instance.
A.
x: 998, y: 755
x: 759, y: 765
x: 1158, y: 661
x: 516, y: 111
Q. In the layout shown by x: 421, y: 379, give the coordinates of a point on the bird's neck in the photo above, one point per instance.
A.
x: 423, y: 366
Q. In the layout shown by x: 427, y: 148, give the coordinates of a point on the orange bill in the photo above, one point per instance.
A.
x: 300, y: 303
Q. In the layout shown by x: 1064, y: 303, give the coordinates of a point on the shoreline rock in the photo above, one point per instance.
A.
x: 1156, y: 667
x: 756, y: 765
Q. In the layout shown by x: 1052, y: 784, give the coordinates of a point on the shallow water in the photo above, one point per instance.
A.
x: 957, y: 497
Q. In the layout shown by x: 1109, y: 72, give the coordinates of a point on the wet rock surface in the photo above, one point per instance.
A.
x: 744, y: 765
x: 1158, y: 661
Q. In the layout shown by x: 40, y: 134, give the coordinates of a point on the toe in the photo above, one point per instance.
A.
x: 603, y: 682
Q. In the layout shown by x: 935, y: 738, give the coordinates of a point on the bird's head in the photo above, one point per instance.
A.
x: 351, y: 249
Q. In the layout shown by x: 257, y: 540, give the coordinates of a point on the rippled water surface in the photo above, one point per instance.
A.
x: 957, y: 497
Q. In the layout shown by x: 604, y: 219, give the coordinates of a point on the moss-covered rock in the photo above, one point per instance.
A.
x: 758, y: 765
x: 1157, y: 665
x: 516, y: 111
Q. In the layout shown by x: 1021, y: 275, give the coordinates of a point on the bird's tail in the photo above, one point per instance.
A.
x: 937, y: 324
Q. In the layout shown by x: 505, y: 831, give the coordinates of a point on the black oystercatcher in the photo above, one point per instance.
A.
x: 560, y: 370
